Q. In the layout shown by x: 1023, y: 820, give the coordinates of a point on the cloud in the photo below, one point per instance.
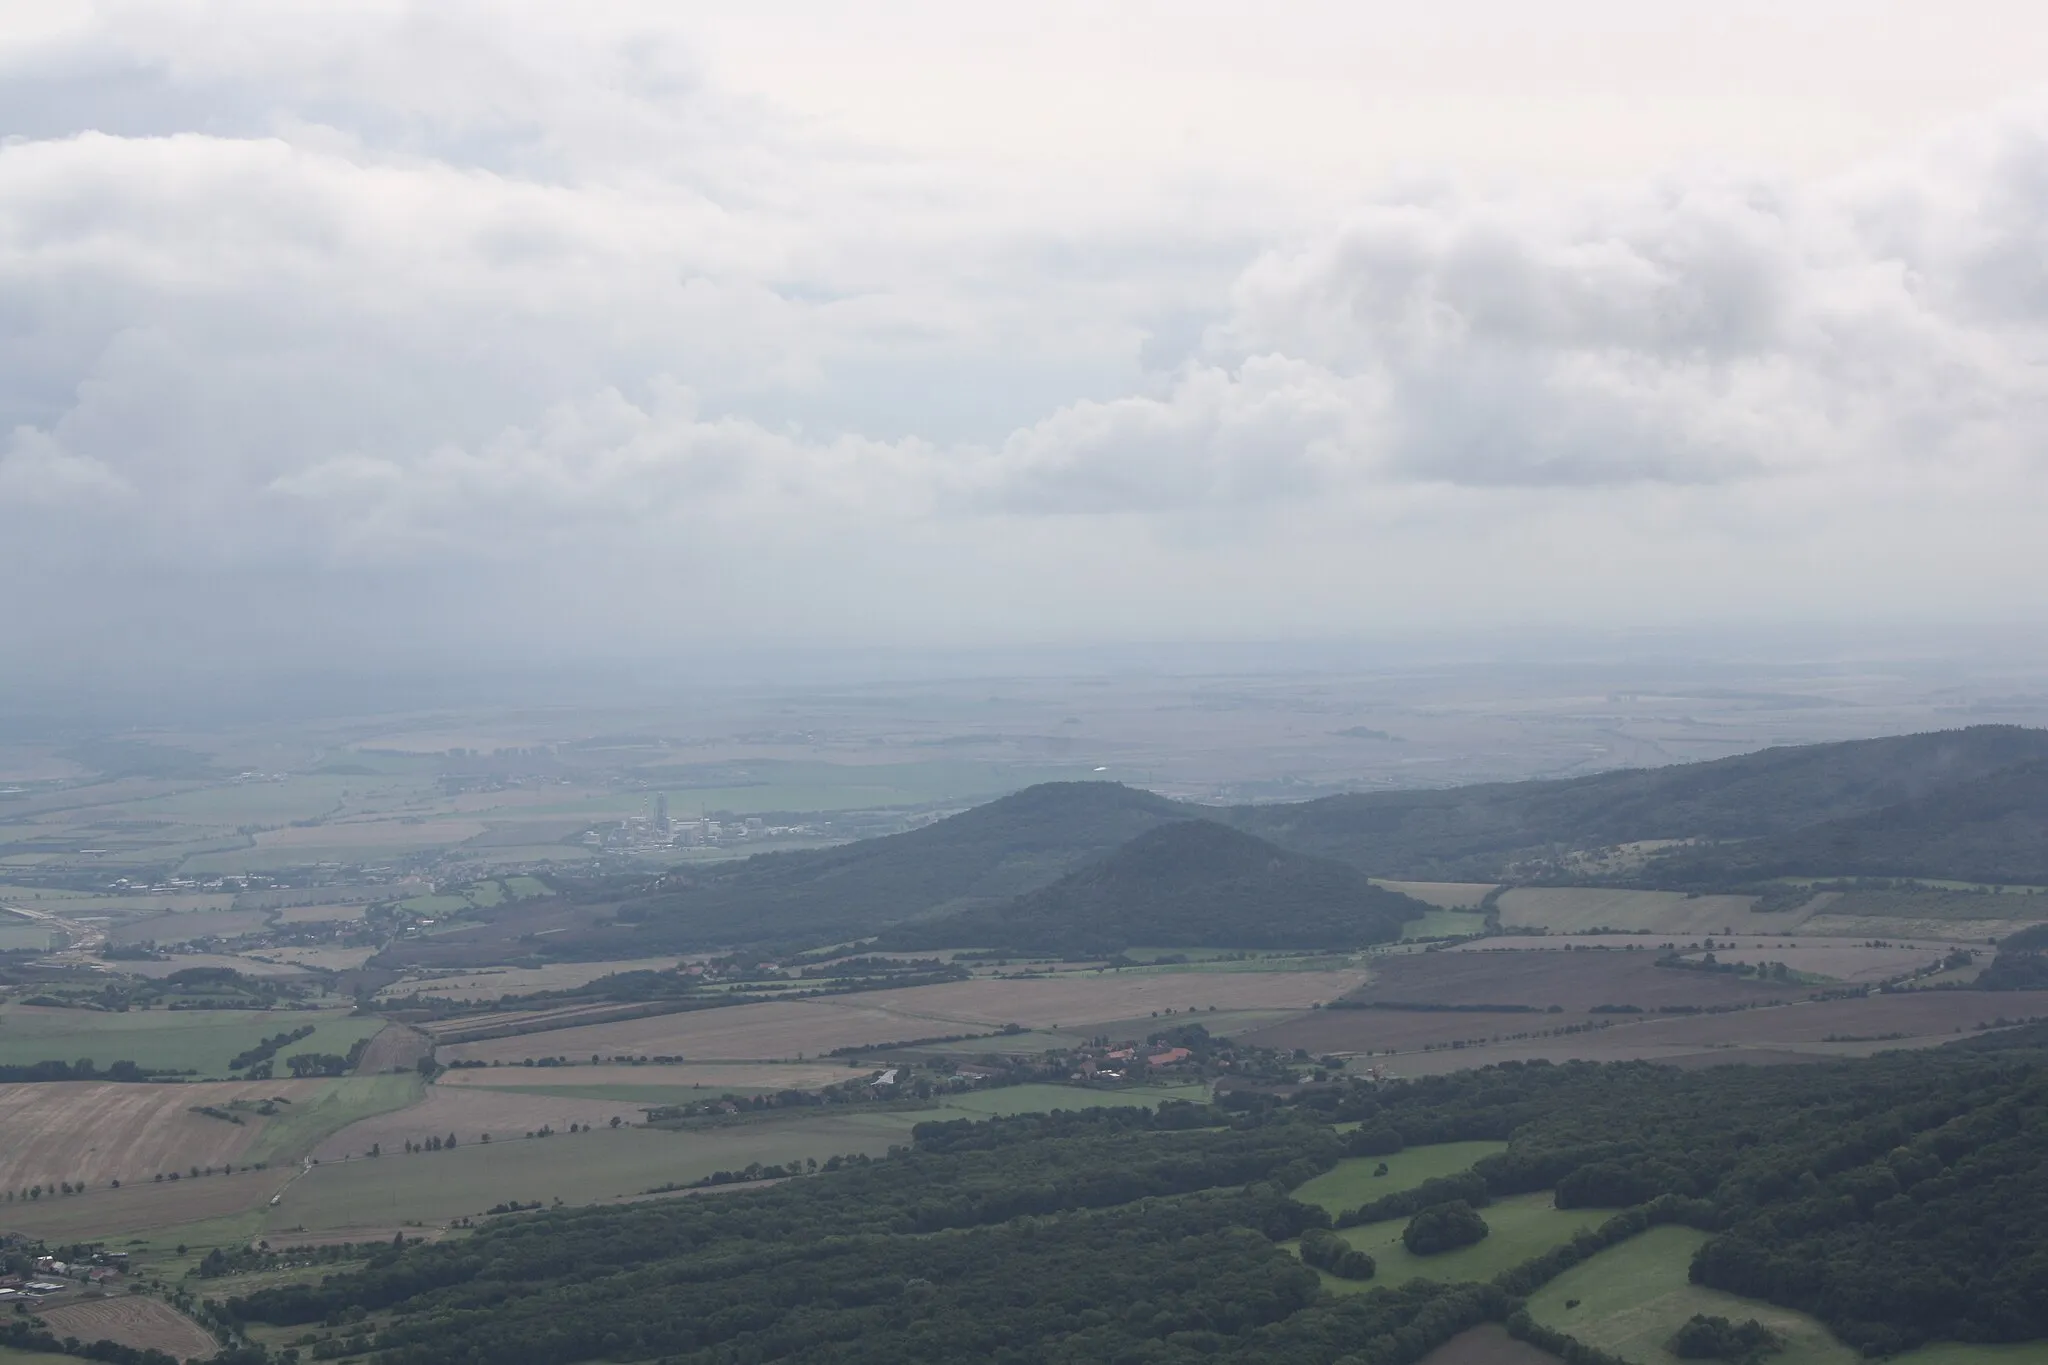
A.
x: 414, y: 291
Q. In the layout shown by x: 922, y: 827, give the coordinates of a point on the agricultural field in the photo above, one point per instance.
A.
x: 189, y: 925
x: 278, y: 1141
x: 1632, y: 1297
x: 1812, y: 1032
x: 203, y: 1041
x: 468, y: 1113
x: 1442, y: 895
x: 577, y: 1168
x: 1036, y: 1099
x: 1444, y: 924
x: 1489, y: 1344
x: 1352, y: 1182
x: 1580, y: 909
x: 1826, y: 958
x: 654, y: 1084
x: 793, y: 1029
x: 132, y: 1320
x: 247, y: 966
x: 95, y: 1132
x: 490, y: 983
x: 1521, y: 1226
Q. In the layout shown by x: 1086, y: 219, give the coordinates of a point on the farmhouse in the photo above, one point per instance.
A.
x: 1173, y: 1056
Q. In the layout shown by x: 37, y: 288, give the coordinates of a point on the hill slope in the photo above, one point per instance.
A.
x: 1991, y: 828
x: 984, y: 855
x: 1190, y: 884
x: 1476, y: 832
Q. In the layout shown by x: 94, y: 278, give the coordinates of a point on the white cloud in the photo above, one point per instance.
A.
x: 544, y: 305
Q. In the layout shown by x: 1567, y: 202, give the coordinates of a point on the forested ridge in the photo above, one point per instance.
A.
x: 1192, y: 883
x: 1970, y: 803
x: 1901, y: 1199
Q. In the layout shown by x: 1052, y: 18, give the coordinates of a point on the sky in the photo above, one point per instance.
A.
x: 408, y: 333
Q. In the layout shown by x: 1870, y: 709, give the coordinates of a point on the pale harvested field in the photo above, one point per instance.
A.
x: 178, y: 962
x: 1802, y: 952
x: 133, y: 1320
x: 773, y: 1031
x: 1443, y: 895
x: 100, y: 1131
x: 710, y: 1075
x: 372, y: 834
x: 490, y: 983
x: 1846, y: 961
x: 320, y: 914
x: 323, y: 959
x: 469, y: 1112
x: 196, y: 924
x: 1079, y: 1000
x: 1576, y: 909
x: 792, y: 1028
x: 1977, y: 932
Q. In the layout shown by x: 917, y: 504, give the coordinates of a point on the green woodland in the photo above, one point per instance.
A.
x: 1899, y: 1199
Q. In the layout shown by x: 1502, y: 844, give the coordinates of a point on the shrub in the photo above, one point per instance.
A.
x: 1444, y: 1227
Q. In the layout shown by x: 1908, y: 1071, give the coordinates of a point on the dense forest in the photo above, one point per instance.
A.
x: 1477, y: 832
x: 1187, y: 884
x: 1900, y: 1198
x: 1991, y: 828
x: 981, y: 856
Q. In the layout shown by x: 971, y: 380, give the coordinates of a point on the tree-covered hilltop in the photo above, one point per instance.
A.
x: 1477, y: 832
x: 1901, y: 1199
x: 987, y: 854
x: 1188, y: 884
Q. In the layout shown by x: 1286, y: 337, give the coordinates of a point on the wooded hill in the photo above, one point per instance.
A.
x: 1192, y: 883
x: 980, y: 857
x: 1477, y: 833
x: 1968, y: 804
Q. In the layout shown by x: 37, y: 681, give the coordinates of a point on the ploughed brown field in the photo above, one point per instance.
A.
x: 1489, y: 1344
x: 397, y: 1048
x: 1804, y: 1031
x: 1574, y: 980
x: 97, y: 1132
x: 712, y: 1076
x: 133, y: 1320
x: 793, y: 1028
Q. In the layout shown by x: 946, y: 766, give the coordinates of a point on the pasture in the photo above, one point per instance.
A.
x: 1444, y: 924
x: 580, y: 1168
x: 1521, y: 1226
x: 199, y: 1040
x: 1442, y: 895
x: 132, y: 1320
x: 1632, y: 1297
x: 1352, y: 1182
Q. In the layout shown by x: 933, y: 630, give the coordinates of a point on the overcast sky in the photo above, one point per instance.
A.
x: 518, y: 330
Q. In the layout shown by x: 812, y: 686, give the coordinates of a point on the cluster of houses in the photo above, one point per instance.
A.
x: 52, y: 1276
x: 1119, y: 1063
